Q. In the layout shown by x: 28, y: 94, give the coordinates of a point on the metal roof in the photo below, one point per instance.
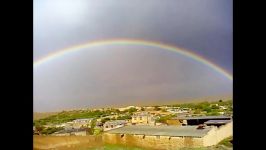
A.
x: 70, y: 130
x: 217, y: 121
x: 204, y: 117
x: 181, y: 131
x: 115, y: 122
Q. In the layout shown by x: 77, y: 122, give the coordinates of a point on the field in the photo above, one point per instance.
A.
x: 38, y: 115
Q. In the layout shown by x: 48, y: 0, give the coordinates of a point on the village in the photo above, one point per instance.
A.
x: 188, y: 125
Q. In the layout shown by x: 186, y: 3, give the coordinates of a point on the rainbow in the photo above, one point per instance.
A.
x: 168, y: 47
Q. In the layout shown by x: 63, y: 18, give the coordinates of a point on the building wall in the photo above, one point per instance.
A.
x: 140, y: 119
x: 146, y: 119
x: 66, y: 142
x: 154, y: 142
x: 111, y: 128
x: 218, y: 134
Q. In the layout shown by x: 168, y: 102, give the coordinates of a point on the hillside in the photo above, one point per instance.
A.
x: 38, y: 115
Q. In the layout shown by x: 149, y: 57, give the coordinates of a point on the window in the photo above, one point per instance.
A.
x: 140, y: 118
x: 106, y: 126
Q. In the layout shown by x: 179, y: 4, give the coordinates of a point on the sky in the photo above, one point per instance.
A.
x: 116, y: 75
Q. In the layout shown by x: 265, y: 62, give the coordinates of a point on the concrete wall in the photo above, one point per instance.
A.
x: 218, y: 134
x: 154, y: 142
x: 65, y: 142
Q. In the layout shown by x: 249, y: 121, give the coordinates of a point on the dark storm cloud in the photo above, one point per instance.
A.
x: 204, y: 26
x: 116, y: 75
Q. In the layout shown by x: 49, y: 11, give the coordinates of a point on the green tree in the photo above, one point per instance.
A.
x: 105, y: 120
x: 214, y: 107
x: 131, y: 110
x: 207, y: 109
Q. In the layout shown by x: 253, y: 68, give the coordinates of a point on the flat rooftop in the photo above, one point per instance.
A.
x: 204, y: 117
x: 217, y: 121
x: 174, y: 131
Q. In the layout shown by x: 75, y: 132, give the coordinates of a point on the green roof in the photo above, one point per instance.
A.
x: 173, y: 131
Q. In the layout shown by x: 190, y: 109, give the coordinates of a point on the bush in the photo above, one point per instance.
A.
x: 51, y: 130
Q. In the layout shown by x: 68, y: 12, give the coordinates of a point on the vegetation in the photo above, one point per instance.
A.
x: 227, y: 142
x: 207, y: 108
x: 163, y: 119
x: 210, y: 108
x: 66, y: 116
x: 142, y: 109
x: 50, y: 130
x: 126, y: 117
x: 116, y: 147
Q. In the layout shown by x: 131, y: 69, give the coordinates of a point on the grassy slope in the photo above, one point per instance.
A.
x: 37, y: 115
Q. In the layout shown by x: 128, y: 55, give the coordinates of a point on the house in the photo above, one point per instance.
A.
x: 160, y: 124
x: 196, y: 120
x: 177, y: 110
x: 168, y: 137
x: 72, y: 132
x: 79, y: 123
x: 214, y: 105
x: 143, y: 118
x: 223, y: 107
x: 157, y: 113
x: 109, y: 125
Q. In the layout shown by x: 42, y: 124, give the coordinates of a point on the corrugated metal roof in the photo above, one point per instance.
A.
x: 204, y: 117
x: 217, y: 121
x: 190, y: 131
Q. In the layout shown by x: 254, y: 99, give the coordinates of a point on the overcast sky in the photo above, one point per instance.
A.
x: 129, y: 74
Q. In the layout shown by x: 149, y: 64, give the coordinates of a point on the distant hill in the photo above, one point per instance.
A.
x: 38, y: 115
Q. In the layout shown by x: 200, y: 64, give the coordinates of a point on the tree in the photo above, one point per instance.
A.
x: 131, y: 110
x: 156, y: 108
x: 105, y: 120
x: 220, y: 100
x: 214, y: 107
x: 207, y: 109
x: 142, y: 109
x: 197, y: 111
x: 39, y: 128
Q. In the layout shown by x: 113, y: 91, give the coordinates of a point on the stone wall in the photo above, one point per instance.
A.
x: 154, y: 142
